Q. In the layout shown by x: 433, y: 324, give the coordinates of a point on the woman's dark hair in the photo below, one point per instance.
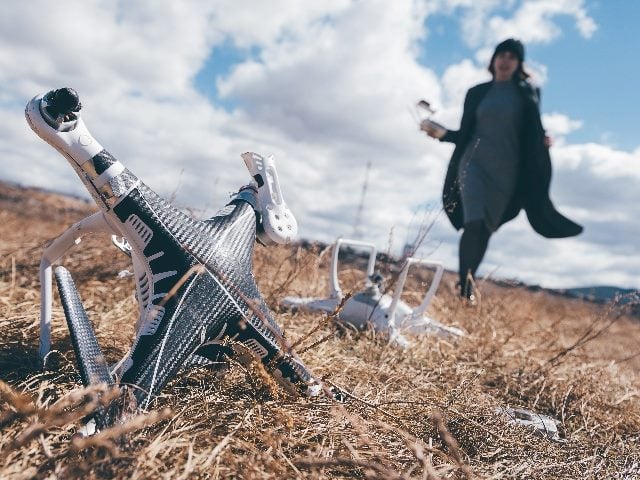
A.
x: 517, y: 48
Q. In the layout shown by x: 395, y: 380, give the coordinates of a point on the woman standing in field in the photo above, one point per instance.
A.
x: 500, y: 163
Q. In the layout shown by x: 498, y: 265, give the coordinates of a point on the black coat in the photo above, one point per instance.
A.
x: 534, y: 178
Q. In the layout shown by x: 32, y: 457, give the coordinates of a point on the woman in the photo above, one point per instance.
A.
x: 500, y: 163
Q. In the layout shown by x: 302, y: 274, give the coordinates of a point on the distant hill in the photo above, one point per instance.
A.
x: 604, y: 294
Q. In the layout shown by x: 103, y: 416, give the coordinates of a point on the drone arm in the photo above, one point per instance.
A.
x: 72, y: 236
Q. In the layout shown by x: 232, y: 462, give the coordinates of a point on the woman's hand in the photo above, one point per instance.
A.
x: 548, y: 141
x: 433, y: 129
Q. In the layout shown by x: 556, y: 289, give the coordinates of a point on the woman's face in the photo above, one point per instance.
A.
x: 505, y: 65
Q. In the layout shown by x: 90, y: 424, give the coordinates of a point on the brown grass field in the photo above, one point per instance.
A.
x: 427, y: 412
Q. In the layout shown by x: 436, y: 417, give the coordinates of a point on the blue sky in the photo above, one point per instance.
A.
x: 591, y: 79
x: 177, y: 91
x: 594, y: 79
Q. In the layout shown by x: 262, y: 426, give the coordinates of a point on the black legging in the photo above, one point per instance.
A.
x: 473, y: 245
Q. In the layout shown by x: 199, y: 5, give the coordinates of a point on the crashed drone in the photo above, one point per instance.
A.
x: 194, y: 279
x: 385, y: 313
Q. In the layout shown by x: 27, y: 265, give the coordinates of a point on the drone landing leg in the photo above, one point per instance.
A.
x: 72, y: 236
x: 91, y: 362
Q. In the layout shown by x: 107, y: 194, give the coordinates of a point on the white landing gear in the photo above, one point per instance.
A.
x: 384, y: 312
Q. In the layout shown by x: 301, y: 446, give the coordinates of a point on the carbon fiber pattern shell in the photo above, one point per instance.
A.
x: 93, y: 366
x: 91, y: 363
x: 194, y: 278
x: 213, y: 292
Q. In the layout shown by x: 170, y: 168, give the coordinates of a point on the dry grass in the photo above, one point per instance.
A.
x: 424, y: 413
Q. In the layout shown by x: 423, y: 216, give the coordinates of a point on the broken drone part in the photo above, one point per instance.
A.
x: 541, y: 424
x: 385, y: 313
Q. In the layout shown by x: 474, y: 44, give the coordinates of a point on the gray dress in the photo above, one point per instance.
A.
x: 488, y: 169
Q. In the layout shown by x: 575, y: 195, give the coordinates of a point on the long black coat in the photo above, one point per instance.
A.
x: 534, y: 178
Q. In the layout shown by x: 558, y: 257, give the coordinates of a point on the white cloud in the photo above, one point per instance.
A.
x: 533, y: 21
x: 558, y: 125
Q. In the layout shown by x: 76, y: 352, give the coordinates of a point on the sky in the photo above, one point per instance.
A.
x: 177, y: 91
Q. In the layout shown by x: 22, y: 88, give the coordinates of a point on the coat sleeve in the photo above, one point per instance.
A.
x: 453, y: 136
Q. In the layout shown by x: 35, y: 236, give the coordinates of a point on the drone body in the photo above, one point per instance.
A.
x: 194, y: 279
x: 371, y: 307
